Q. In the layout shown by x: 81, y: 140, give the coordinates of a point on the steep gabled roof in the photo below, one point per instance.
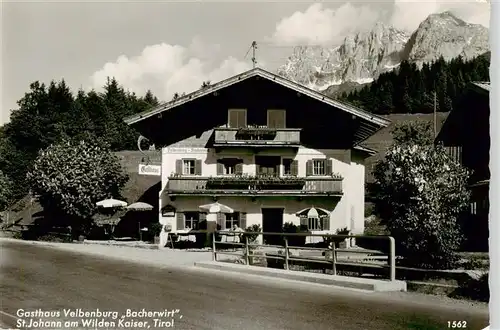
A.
x: 479, y: 88
x: 377, y: 120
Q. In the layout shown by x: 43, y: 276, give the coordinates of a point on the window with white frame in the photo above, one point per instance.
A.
x: 188, y: 166
x: 319, y: 167
x: 191, y: 220
x: 232, y: 219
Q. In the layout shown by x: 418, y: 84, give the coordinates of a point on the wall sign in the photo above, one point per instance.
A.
x: 168, y: 211
x: 186, y: 150
x: 150, y: 169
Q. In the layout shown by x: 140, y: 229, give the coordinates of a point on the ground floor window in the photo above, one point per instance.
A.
x: 191, y: 220
x: 232, y: 219
x: 314, y: 224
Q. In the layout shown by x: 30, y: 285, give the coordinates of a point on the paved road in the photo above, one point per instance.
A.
x: 37, y: 277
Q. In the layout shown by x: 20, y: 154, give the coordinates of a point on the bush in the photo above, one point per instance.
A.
x: 252, y: 237
x: 70, y: 177
x: 474, y: 263
x: 337, y: 240
x: 374, y: 228
x: 290, y: 228
x: 474, y: 289
x: 420, y: 193
x: 155, y: 229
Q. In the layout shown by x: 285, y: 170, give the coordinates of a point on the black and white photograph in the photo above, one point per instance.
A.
x: 254, y: 165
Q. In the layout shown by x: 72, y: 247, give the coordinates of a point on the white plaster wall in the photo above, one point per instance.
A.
x: 346, y: 212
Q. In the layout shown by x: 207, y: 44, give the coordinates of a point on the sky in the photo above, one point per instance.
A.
x: 171, y: 47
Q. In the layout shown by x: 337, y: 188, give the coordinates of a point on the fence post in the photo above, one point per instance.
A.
x: 286, y: 253
x: 247, y: 252
x: 392, y: 258
x: 334, y: 259
x: 214, y: 256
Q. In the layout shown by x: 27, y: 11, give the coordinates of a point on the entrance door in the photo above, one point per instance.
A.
x: 272, y: 222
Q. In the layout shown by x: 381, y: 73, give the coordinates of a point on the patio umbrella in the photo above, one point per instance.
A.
x: 110, y: 203
x: 216, y: 208
x: 313, y: 212
x: 140, y: 206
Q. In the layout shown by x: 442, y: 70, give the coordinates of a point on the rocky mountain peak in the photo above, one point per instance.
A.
x: 446, y: 35
x: 364, y: 55
x: 359, y: 58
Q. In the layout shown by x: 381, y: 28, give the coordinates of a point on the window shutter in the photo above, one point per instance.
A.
x: 197, y: 167
x: 180, y: 220
x: 233, y: 118
x: 243, y: 220
x: 309, y: 168
x: 238, y: 168
x: 220, y: 168
x: 326, y: 223
x: 257, y: 169
x: 294, y: 168
x: 178, y: 166
x: 303, y: 221
x: 203, y: 216
x: 328, y: 166
x: 279, y: 118
x: 221, y: 220
x: 242, y: 118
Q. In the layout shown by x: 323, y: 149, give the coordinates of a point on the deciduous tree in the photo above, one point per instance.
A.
x: 71, y: 177
x: 420, y: 193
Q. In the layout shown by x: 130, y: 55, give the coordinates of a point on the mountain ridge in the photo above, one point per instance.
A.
x: 364, y: 55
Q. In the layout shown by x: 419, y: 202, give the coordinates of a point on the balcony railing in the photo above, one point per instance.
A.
x: 247, y: 185
x: 257, y: 137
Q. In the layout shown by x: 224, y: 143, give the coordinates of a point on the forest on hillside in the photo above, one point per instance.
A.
x: 411, y: 90
x: 48, y: 114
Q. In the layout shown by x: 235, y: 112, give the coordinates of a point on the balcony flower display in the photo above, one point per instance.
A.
x: 256, y: 182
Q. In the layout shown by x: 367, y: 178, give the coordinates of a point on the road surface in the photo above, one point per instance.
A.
x: 40, y: 279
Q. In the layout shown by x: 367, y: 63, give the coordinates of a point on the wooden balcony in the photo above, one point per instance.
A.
x: 256, y: 137
x: 254, y: 186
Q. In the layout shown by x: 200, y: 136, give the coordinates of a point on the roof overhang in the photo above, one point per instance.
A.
x: 480, y: 184
x: 369, y: 151
x: 370, y: 123
x: 479, y: 88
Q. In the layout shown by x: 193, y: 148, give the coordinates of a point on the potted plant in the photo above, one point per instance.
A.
x: 155, y: 230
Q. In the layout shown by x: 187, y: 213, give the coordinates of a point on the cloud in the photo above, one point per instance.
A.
x: 408, y: 14
x: 318, y: 25
x: 168, y: 69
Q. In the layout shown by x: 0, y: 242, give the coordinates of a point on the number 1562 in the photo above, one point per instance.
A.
x: 457, y: 324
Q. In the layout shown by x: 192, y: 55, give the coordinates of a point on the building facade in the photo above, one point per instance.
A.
x: 267, y: 148
x: 466, y: 137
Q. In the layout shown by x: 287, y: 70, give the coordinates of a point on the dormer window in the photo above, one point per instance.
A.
x: 276, y: 118
x: 237, y: 118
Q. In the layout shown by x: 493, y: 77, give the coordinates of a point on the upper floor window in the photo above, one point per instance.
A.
x: 319, y: 167
x: 188, y: 166
x: 267, y: 165
x: 276, y: 118
x: 229, y: 166
x: 237, y: 118
x: 290, y: 167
